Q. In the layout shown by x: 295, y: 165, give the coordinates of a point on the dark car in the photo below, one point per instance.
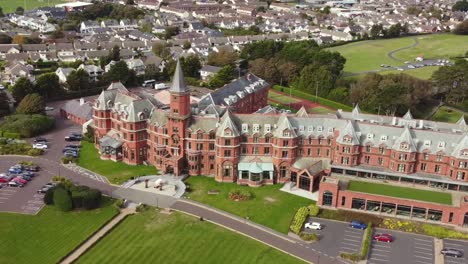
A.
x: 15, y: 184
x: 73, y: 146
x: 358, y: 225
x: 28, y: 173
x: 25, y: 177
x: 70, y: 149
x: 40, y: 140
x: 73, y: 138
x: 33, y: 168
x: 69, y: 153
x: 452, y: 252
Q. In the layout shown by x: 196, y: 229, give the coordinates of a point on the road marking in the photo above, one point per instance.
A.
x: 349, y: 244
x: 380, y: 245
x: 425, y: 240
x: 416, y: 256
x: 451, y: 261
x: 372, y: 254
x: 427, y: 249
x: 354, y: 240
x: 419, y: 252
x: 353, y: 231
x: 418, y: 261
x: 353, y: 249
x: 358, y: 237
x: 376, y: 249
x: 454, y: 245
x: 376, y: 259
x: 4, y: 198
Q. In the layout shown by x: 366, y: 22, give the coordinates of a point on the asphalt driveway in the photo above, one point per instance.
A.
x: 457, y: 244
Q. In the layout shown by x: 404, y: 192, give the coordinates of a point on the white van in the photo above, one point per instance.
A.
x: 148, y: 83
x: 161, y: 86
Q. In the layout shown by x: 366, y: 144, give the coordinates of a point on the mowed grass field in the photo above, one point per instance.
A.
x: 422, y: 73
x: 369, y: 55
x: 445, y: 114
x: 401, y: 192
x: 281, y: 98
x: 269, y: 206
x: 49, y: 235
x: 152, y: 237
x: 9, y: 6
x: 116, y: 172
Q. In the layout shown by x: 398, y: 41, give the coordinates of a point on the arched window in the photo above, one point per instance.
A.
x: 327, y: 198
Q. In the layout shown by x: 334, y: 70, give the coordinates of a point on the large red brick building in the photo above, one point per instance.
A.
x: 224, y: 135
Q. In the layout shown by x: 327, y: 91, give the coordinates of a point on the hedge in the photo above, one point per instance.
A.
x: 313, y: 210
x: 350, y: 256
x: 308, y: 237
x: 299, y: 219
x: 62, y: 200
x: 26, y: 125
x: 10, y: 135
x: 367, y: 242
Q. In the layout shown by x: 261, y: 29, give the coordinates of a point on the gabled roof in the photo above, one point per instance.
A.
x: 302, y: 112
x: 227, y: 123
x: 461, y: 121
x: 348, y: 131
x: 408, y: 115
x: 178, y: 82
x: 407, y: 138
x: 118, y: 86
x: 284, y: 124
x: 356, y: 112
x: 462, y: 145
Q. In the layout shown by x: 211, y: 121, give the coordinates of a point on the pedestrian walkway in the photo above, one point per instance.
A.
x: 78, y: 169
x: 97, y: 236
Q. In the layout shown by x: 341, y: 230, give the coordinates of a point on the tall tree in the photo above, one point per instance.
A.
x: 462, y: 28
x: 1, y: 12
x: 225, y: 75
x: 161, y: 50
x: 48, y: 84
x: 152, y: 72
x: 171, y: 31
x: 114, y: 54
x: 453, y: 80
x: 31, y: 104
x: 222, y: 58
x: 78, y: 80
x: 19, y: 10
x: 191, y: 66
x: 121, y: 72
x: 315, y: 79
x: 22, y: 87
x: 460, y: 6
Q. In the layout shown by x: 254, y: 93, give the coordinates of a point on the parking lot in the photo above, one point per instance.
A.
x: 456, y: 244
x: 406, y: 248
x: 336, y: 237
x: 24, y: 200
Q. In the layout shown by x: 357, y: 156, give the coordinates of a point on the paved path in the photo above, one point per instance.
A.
x: 390, y: 54
x: 97, y: 236
x: 272, y: 238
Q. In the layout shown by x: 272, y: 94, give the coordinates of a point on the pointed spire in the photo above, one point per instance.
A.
x: 461, y: 146
x: 408, y: 115
x: 178, y: 82
x: 302, y: 112
x: 284, y: 124
x: 350, y: 132
x: 117, y: 86
x: 227, y: 123
x: 461, y: 121
x: 356, y: 111
x: 405, y: 139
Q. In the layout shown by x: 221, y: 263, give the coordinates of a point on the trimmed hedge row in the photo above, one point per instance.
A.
x: 299, y: 219
x: 10, y: 135
x: 367, y: 242
x: 67, y: 196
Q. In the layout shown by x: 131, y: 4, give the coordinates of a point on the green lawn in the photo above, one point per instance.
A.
x: 422, y: 73
x: 401, y: 192
x: 49, y: 235
x: 269, y: 207
x: 151, y: 237
x: 116, y: 172
x: 430, y: 46
x: 281, y: 98
x: 9, y: 6
x: 446, y: 115
x: 320, y: 110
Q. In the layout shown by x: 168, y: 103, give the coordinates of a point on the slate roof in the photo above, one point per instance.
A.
x: 84, y: 111
x: 178, y: 82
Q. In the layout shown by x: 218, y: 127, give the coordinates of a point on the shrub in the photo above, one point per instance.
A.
x: 299, y: 219
x: 67, y: 160
x: 141, y: 208
x: 348, y: 216
x: 442, y: 232
x: 62, y: 200
x: 367, y: 242
x: 240, y: 195
x: 26, y: 163
x: 15, y: 149
x: 350, y: 256
x: 49, y: 196
x: 62, y: 182
x: 11, y: 135
x: 92, y: 199
x: 35, y: 152
x: 26, y: 125
x: 313, y: 210
x: 119, y: 203
x: 308, y: 237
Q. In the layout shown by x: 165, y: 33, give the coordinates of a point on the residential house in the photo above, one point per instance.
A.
x: 62, y: 73
x: 136, y: 65
x: 89, y: 27
x: 207, y: 71
x: 16, y: 70
x: 93, y: 71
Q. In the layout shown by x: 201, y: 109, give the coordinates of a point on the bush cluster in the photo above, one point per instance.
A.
x: 18, y: 149
x: 313, y: 210
x: 27, y: 125
x: 240, y: 195
x: 407, y: 226
x: 442, y: 232
x: 348, y: 216
x: 67, y: 196
x: 299, y: 219
x: 367, y: 241
x: 308, y: 237
x: 350, y: 256
x: 66, y: 160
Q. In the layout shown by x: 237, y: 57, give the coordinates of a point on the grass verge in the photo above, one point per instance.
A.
x: 115, y: 172
x: 152, y: 237
x: 269, y: 206
x: 49, y: 235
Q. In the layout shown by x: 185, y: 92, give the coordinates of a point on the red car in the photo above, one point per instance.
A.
x: 383, y: 238
x: 2, y: 179
x: 20, y: 180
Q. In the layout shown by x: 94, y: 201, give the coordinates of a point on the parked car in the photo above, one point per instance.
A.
x: 314, y: 226
x: 44, y: 189
x: 28, y: 173
x: 383, y: 238
x: 15, y: 184
x: 20, y: 180
x: 73, y: 146
x: 70, y: 149
x: 49, y: 108
x: 40, y: 140
x: 69, y: 153
x: 25, y: 177
x: 50, y: 184
x: 73, y: 138
x: 452, y: 252
x: 358, y: 225
x: 33, y: 168
x: 15, y: 170
x: 40, y: 146
x: 4, y: 180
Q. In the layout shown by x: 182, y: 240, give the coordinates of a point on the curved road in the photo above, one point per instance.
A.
x: 390, y: 54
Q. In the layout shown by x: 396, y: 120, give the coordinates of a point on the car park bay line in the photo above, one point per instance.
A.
x: 376, y: 249
x: 425, y: 253
x: 422, y: 248
x: 349, y: 244
x: 352, y: 249
x: 416, y: 256
x: 453, y: 245
x: 354, y: 240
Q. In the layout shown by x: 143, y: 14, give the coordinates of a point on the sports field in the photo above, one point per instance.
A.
x: 365, y: 56
x: 9, y: 6
x: 151, y: 237
x: 445, y: 114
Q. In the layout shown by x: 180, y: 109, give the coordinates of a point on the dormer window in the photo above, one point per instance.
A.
x: 267, y: 128
x: 245, y: 128
x: 404, y: 146
x: 256, y: 127
x: 286, y: 133
x: 427, y: 143
x: 319, y: 129
x: 383, y: 138
x: 441, y: 144
x: 465, y: 153
x: 370, y: 136
x: 227, y: 132
x: 347, y: 139
x: 330, y: 130
x: 310, y: 128
x: 301, y: 128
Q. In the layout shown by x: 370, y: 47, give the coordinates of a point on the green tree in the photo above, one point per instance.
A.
x: 130, y: 2
x: 225, y: 75
x: 187, y: 45
x: 462, y: 28
x: 161, y: 50
x: 57, y: 34
x: 376, y: 31
x: 22, y: 87
x: 31, y: 104
x: 19, y: 10
x: 222, y: 58
x: 120, y: 72
x: 146, y: 27
x: 48, y: 84
x: 265, y: 69
x: 315, y: 79
x: 114, y: 53
x: 5, y: 39
x: 395, y: 30
x: 152, y: 72
x: 4, y: 107
x: 78, y: 81
x: 1, y: 12
x: 460, y: 6
x: 171, y: 31
x: 191, y: 66
x: 453, y: 81
x: 62, y: 200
